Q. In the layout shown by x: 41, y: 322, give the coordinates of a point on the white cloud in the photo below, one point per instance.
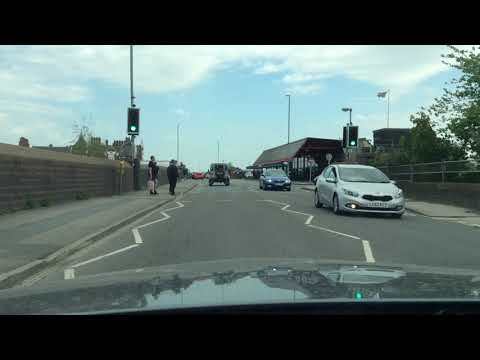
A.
x: 169, y: 68
x: 304, y: 89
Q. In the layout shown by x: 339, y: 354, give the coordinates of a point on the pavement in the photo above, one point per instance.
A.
x: 241, y: 221
x: 29, y: 236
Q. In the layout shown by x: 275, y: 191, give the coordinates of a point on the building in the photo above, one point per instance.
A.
x: 387, y: 138
x: 365, y: 151
x: 296, y: 155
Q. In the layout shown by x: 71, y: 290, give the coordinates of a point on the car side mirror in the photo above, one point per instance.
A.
x: 393, y: 182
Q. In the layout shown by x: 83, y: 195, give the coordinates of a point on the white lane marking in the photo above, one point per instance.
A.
x: 136, y: 235
x: 463, y: 222
x: 69, y: 274
x: 223, y: 200
x: 285, y: 208
x: 368, y: 251
x: 309, y: 220
x: 105, y: 255
x: 187, y: 201
x: 406, y: 213
x: 165, y: 215
x: 334, y: 232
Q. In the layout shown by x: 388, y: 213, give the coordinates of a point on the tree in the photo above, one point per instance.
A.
x: 459, y: 106
x: 81, y: 146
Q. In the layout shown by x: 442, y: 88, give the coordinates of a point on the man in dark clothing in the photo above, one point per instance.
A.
x: 172, y: 174
x: 153, y: 174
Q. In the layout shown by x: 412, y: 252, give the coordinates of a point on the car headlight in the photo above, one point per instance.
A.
x: 287, y: 181
x: 269, y: 180
x: 350, y: 193
x: 399, y: 195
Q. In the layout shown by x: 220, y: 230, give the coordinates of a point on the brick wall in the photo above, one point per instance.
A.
x: 33, y: 176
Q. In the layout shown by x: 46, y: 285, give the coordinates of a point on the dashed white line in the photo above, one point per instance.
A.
x: 105, y: 255
x: 334, y: 232
x: 309, y: 220
x: 368, y: 251
x: 223, y: 200
x: 69, y: 274
x: 136, y: 235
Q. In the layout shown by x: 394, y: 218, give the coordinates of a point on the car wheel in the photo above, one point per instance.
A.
x: 318, y: 204
x: 397, y: 216
x: 289, y: 189
x: 210, y: 183
x: 336, y: 205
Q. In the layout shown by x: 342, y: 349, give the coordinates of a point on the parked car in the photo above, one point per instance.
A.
x: 358, y: 189
x: 275, y: 179
x: 198, y: 176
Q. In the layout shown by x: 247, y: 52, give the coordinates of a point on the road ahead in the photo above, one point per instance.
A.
x: 241, y: 221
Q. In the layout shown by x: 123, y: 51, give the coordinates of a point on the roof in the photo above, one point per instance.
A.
x: 287, y: 152
x: 392, y: 130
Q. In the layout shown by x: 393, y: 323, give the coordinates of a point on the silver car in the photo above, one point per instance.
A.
x: 358, y: 189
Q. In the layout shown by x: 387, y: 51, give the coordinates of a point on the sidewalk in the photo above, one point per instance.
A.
x: 437, y: 211
x: 30, y: 236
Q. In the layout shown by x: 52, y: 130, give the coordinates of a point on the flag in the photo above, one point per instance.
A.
x: 382, y: 94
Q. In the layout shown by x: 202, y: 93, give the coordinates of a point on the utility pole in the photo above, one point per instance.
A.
x: 218, y: 151
x: 178, y: 142
x: 288, y: 141
x: 132, y: 97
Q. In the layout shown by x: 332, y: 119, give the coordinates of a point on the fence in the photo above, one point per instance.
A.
x: 463, y: 171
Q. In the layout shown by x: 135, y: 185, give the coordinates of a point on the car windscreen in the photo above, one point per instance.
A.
x: 369, y: 175
x: 274, y: 172
x: 219, y: 167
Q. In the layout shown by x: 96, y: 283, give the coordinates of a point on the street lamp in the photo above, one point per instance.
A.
x: 288, y: 118
x: 178, y: 142
x: 350, y: 111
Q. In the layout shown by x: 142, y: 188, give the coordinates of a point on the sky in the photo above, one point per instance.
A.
x: 234, y: 95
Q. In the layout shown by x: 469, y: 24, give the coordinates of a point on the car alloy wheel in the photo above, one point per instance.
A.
x: 318, y: 204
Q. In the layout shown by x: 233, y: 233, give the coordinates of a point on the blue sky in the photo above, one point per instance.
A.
x: 234, y: 94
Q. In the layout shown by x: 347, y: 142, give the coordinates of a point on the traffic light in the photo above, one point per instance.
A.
x: 133, y: 127
x: 345, y: 137
x: 353, y: 136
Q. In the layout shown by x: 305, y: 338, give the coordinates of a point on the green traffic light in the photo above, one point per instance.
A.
x: 358, y: 295
x: 352, y: 143
x: 133, y: 128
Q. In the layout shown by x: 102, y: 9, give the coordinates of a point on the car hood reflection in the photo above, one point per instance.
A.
x: 182, y: 286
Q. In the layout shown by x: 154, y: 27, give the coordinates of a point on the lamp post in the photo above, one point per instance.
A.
x: 288, y: 141
x: 350, y: 111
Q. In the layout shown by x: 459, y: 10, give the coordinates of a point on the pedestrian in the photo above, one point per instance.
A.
x: 172, y: 174
x: 152, y: 175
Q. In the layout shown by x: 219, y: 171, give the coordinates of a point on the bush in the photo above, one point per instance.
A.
x: 81, y: 196
x: 29, y: 202
x: 45, y: 202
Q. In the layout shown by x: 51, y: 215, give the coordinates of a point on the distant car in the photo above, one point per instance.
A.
x: 219, y: 173
x: 358, y: 189
x: 198, y: 176
x: 248, y: 175
x: 275, y: 179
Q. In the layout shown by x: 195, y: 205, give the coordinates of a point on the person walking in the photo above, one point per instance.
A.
x: 152, y: 175
x: 172, y: 174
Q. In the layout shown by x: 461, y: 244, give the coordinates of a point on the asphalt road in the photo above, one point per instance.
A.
x: 241, y: 221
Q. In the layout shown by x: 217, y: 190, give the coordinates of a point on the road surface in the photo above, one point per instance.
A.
x: 241, y: 221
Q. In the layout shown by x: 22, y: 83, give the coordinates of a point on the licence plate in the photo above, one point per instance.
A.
x: 378, y: 204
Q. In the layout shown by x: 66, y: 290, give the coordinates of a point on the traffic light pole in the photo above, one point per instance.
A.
x: 132, y: 104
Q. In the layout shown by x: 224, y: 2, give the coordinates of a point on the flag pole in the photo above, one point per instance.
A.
x: 388, y: 108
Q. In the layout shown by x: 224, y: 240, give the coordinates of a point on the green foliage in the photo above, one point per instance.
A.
x: 97, y: 150
x: 45, y: 202
x: 459, y: 106
x: 29, y: 202
x: 82, y: 196
x: 81, y: 146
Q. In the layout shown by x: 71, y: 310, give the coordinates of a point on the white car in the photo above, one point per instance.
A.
x: 358, y: 189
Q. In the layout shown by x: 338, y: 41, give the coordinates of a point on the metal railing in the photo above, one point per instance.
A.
x: 444, y: 171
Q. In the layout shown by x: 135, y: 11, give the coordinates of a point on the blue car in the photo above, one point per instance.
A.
x: 275, y: 179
